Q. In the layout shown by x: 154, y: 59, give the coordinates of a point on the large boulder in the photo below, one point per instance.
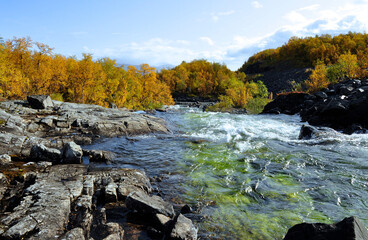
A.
x: 40, y: 101
x: 350, y: 228
x: 291, y: 103
x: 72, y: 153
x: 150, y: 205
x: 41, y: 153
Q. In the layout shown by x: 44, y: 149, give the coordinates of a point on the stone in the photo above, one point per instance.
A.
x: 21, y: 229
x: 162, y: 221
x: 41, y: 153
x: 5, y: 158
x: 40, y: 101
x: 350, y: 228
x: 186, y: 209
x: 286, y: 103
x: 110, y: 192
x: 99, y: 156
x: 72, y: 153
x: 306, y: 132
x: 320, y: 95
x: 334, y: 106
x: 346, y: 90
x: 183, y: 229
x: 151, y: 205
x: 112, y: 105
x: 74, y: 234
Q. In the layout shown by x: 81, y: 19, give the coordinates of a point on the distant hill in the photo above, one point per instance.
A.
x: 294, y: 60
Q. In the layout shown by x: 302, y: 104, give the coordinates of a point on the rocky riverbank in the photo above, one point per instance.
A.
x: 47, y: 193
x: 342, y: 106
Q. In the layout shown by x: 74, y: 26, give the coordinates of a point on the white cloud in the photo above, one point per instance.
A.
x: 309, y: 8
x: 257, y: 4
x: 216, y: 16
x: 295, y: 17
x: 306, y: 21
x: 208, y: 40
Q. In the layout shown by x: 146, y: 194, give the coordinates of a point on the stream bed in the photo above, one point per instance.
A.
x: 248, y: 176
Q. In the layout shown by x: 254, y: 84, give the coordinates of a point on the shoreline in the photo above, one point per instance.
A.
x: 54, y: 195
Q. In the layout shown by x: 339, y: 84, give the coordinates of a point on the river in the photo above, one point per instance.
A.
x: 248, y: 176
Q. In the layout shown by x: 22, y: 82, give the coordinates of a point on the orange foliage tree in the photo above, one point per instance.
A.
x: 32, y: 68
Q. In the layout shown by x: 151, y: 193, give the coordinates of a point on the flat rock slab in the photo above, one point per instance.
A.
x: 66, y: 122
x: 151, y: 205
x: 44, y: 210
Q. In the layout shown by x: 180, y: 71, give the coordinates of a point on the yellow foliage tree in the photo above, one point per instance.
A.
x: 318, y: 79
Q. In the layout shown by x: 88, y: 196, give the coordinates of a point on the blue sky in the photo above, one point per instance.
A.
x: 165, y: 32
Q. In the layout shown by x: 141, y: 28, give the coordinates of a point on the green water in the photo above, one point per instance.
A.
x: 254, y: 179
x: 249, y: 177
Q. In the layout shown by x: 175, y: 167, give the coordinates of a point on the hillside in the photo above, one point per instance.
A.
x: 277, y: 76
x: 294, y: 60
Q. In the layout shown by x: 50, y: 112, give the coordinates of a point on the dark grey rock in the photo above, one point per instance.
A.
x: 40, y: 101
x: 346, y: 90
x: 186, y: 209
x: 307, y: 132
x: 41, y: 153
x: 183, y: 229
x: 72, y: 153
x: 335, y: 106
x: 74, y: 234
x: 151, y: 205
x: 320, y: 95
x: 350, y: 228
x: 100, y: 156
x: 288, y: 104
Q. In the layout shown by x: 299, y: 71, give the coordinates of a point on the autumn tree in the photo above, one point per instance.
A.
x: 318, y: 79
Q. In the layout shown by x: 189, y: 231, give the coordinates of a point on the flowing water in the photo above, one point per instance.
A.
x: 248, y: 176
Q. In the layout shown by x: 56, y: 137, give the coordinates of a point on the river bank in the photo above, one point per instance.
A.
x: 46, y: 191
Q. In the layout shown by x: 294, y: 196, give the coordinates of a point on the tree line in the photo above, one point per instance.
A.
x: 28, y: 67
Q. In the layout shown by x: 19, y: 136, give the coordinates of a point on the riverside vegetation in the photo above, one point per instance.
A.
x: 28, y: 68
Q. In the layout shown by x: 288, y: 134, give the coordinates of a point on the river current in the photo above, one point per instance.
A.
x: 248, y: 176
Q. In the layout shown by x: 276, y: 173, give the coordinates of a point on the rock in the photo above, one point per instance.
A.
x: 41, y: 153
x: 74, y: 234
x: 72, y: 153
x: 346, y: 90
x: 110, y: 192
x: 112, y: 105
x: 186, y: 209
x: 22, y: 228
x: 40, y: 101
x: 183, y: 229
x: 22, y: 127
x: 335, y: 106
x: 350, y: 228
x: 306, y: 132
x: 286, y: 103
x: 321, y: 95
x: 99, y: 156
x: 142, y: 203
x: 5, y: 158
x: 162, y: 221
x: 324, y: 133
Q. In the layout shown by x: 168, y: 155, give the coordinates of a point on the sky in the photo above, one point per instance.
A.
x: 167, y: 32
